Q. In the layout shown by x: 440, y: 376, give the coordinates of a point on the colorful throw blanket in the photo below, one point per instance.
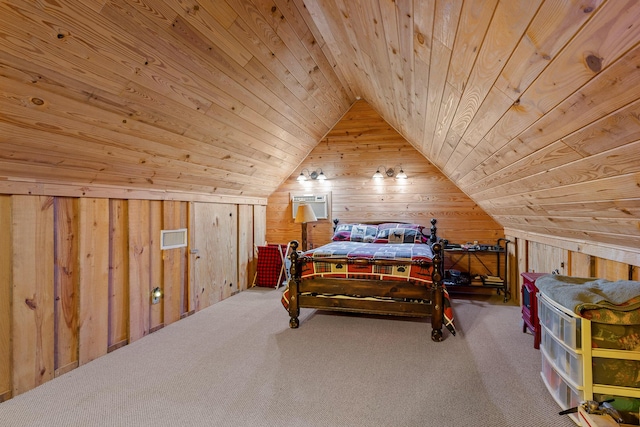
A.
x: 604, y: 301
x: 416, y: 267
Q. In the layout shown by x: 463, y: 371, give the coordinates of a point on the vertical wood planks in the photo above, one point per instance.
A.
x: 245, y: 246
x: 522, y: 250
x: 259, y: 224
x: 118, y: 274
x: 259, y: 235
x: 172, y: 265
x: 156, y: 311
x: 185, y: 271
x: 227, y: 234
x: 66, y: 282
x: 93, y: 220
x: 139, y: 275
x: 32, y: 309
x: 545, y: 258
x: 611, y: 270
x: 192, y: 293
x: 216, y: 241
x: 76, y: 275
x: 579, y: 265
x: 512, y: 259
x: 5, y: 300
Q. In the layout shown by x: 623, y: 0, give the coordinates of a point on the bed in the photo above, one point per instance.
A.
x: 389, y: 269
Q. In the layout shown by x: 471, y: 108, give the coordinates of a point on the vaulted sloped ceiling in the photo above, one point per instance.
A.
x: 530, y: 106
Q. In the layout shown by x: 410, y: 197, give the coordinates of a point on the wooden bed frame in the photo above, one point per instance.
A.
x: 302, y: 293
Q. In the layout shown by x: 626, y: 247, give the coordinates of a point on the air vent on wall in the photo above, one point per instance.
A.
x: 171, y: 239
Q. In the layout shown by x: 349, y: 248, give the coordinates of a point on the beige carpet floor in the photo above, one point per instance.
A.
x: 237, y: 363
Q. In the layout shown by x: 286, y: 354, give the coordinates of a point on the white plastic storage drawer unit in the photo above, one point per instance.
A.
x: 564, y: 359
x: 566, y: 394
x: 576, y: 363
x: 565, y: 327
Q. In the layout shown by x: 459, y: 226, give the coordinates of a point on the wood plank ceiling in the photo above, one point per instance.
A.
x: 530, y: 106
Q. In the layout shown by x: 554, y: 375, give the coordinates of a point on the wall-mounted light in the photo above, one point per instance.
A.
x: 315, y: 174
x: 390, y: 172
x: 156, y: 294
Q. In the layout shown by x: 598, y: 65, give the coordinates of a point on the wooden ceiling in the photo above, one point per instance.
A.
x: 531, y: 107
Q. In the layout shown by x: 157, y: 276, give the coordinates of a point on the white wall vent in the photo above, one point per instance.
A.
x: 171, y: 239
x: 318, y: 203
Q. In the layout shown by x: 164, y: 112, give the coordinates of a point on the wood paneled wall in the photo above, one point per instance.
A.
x: 349, y: 155
x: 544, y: 255
x: 76, y: 276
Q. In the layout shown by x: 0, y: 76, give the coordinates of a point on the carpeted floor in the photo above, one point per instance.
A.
x: 237, y: 363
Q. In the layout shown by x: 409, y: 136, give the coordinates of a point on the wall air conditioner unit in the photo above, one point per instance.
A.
x: 318, y: 204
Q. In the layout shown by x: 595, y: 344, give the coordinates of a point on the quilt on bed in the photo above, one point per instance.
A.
x: 415, y: 267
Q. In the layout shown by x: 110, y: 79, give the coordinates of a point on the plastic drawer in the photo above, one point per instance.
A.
x: 615, y: 336
x: 561, y: 325
x: 564, y: 394
x: 617, y: 372
x: 565, y: 361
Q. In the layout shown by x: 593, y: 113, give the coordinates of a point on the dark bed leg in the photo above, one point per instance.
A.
x: 294, y: 308
x: 437, y: 294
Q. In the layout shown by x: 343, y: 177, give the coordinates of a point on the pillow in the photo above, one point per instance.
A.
x: 355, y: 233
x: 400, y: 233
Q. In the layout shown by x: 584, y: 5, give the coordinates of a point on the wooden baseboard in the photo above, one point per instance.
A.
x: 67, y: 368
x: 5, y: 396
x: 187, y: 314
x: 156, y: 328
x: 117, y: 345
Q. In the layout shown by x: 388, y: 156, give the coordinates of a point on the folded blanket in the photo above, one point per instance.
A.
x: 581, y: 294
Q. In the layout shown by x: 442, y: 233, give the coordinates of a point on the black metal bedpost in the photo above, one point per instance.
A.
x: 437, y: 293
x: 433, y: 238
x: 294, y: 307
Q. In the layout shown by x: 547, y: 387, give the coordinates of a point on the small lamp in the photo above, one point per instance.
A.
x: 305, y: 214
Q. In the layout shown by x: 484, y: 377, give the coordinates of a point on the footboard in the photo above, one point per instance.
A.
x: 388, y: 297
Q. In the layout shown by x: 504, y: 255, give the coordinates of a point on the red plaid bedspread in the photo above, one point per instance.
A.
x: 413, y: 270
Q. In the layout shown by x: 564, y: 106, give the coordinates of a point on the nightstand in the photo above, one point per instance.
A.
x: 530, y: 306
